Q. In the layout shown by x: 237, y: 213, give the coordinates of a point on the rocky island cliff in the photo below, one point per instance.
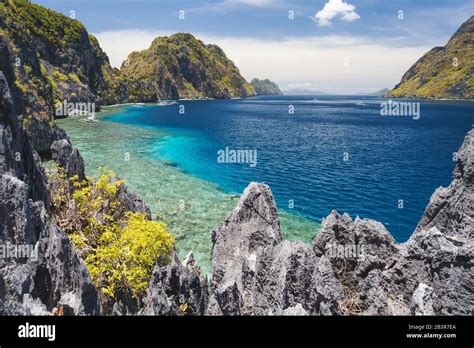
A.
x: 265, y: 87
x: 255, y: 271
x: 56, y: 62
x: 181, y: 66
x: 444, y: 72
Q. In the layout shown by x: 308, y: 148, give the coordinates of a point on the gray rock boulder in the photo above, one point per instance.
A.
x: 69, y: 158
x: 352, y: 267
x: 132, y: 201
x: 179, y: 288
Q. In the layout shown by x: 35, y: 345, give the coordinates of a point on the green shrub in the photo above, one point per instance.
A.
x: 21, y: 86
x: 125, y: 257
x: 119, y: 247
x: 60, y: 76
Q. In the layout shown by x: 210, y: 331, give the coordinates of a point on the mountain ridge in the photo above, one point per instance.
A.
x: 181, y: 66
x: 265, y: 87
x: 445, y: 72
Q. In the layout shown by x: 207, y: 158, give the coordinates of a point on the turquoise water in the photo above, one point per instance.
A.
x: 191, y: 206
x: 393, y: 164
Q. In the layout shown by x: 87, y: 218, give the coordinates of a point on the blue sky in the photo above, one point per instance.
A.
x: 332, y: 45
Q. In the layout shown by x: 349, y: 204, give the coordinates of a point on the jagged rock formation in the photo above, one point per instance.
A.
x: 69, y: 158
x: 352, y: 267
x: 179, y: 288
x: 53, y: 275
x: 180, y: 66
x: 255, y: 271
x: 50, y: 273
x: 444, y: 72
x: 265, y: 87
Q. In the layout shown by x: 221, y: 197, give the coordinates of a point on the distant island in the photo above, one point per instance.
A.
x: 265, y: 87
x: 444, y: 72
x: 380, y: 93
x: 94, y: 248
x: 181, y: 66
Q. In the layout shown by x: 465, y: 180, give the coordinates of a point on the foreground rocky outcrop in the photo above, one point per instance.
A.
x: 179, y: 288
x: 39, y: 268
x: 352, y: 267
x: 41, y: 273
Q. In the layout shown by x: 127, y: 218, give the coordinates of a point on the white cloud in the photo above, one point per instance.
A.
x: 334, y: 8
x: 317, y: 62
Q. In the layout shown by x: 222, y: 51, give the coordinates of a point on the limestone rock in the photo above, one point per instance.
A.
x: 179, y: 288
x: 352, y: 267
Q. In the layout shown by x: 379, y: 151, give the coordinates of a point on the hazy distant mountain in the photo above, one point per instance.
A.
x: 379, y: 93
x: 265, y: 87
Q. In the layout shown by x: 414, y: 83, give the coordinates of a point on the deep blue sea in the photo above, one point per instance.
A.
x: 333, y: 152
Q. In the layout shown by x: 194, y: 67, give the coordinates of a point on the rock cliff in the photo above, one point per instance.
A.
x: 181, y: 66
x: 352, y: 267
x: 444, y: 72
x: 54, y: 59
x: 48, y: 273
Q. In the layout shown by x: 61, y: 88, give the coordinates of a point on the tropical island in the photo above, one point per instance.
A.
x: 438, y: 74
x: 265, y: 87
x: 100, y: 251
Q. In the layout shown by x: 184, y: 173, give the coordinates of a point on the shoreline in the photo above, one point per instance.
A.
x: 334, y: 95
x: 192, y: 206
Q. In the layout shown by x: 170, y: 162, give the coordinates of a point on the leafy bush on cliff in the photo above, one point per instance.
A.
x: 119, y: 247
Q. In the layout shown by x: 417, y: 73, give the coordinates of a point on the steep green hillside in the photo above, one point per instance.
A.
x: 55, y: 59
x: 265, y: 87
x: 443, y: 72
x: 180, y: 66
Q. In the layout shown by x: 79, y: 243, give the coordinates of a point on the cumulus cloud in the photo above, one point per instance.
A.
x: 336, y: 8
x: 339, y: 64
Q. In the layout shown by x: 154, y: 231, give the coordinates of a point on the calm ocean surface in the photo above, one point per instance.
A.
x: 332, y: 153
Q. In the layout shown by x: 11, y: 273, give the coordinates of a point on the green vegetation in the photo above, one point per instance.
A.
x: 181, y: 66
x: 119, y: 247
x: 444, y: 72
x: 59, y: 76
x: 75, y: 78
x: 265, y: 87
x: 56, y: 28
x: 28, y: 69
x: 21, y: 86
